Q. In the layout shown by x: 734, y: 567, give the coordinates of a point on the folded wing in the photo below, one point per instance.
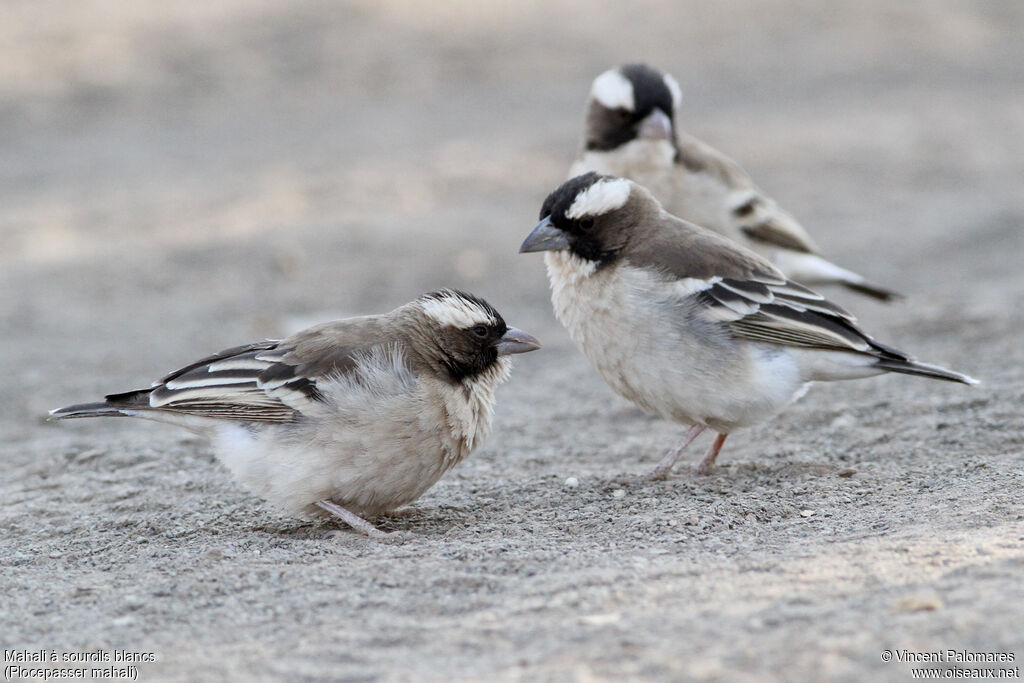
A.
x: 270, y: 381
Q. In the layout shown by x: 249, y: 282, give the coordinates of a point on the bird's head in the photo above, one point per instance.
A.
x: 631, y: 102
x: 464, y: 335
x: 595, y: 217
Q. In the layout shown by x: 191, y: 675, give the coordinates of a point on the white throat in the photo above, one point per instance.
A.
x: 634, y: 158
x: 471, y: 409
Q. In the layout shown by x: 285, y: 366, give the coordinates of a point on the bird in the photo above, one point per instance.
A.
x: 631, y: 131
x: 687, y: 324
x: 350, y: 418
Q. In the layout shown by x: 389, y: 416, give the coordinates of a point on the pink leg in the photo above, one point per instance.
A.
x: 352, y: 519
x: 668, y: 462
x: 707, y: 465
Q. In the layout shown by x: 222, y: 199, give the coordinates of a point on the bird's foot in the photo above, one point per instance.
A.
x: 356, y: 522
x: 707, y: 465
x: 705, y: 468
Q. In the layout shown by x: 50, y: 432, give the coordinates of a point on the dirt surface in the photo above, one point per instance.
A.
x: 182, y: 177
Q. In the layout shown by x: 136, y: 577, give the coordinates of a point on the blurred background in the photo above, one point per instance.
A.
x: 180, y: 177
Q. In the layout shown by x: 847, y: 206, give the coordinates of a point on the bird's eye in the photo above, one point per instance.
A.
x: 586, y: 223
x: 480, y: 331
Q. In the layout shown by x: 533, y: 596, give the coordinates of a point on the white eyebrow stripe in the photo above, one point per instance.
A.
x: 673, y: 87
x: 600, y: 198
x: 457, y: 312
x: 613, y: 90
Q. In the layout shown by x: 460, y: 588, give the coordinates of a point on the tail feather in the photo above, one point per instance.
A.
x: 912, y: 367
x: 811, y: 269
x: 872, y: 290
x: 89, y: 410
x: 117, y: 405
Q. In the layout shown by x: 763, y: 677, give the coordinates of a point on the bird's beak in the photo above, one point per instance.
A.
x: 545, y: 237
x: 516, y: 341
x: 656, y: 126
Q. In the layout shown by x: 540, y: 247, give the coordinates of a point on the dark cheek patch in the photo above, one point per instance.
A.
x: 466, y: 356
x: 609, y: 129
x: 592, y: 245
x: 586, y: 248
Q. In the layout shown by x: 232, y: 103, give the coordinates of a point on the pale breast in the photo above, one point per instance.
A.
x: 608, y: 318
x: 469, y: 409
x: 380, y: 438
x: 651, y: 347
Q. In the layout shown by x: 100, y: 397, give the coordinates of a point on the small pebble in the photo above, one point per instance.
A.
x: 619, y: 493
x: 572, y: 482
x: 919, y: 603
x: 600, y: 619
x: 806, y: 513
x: 843, y: 422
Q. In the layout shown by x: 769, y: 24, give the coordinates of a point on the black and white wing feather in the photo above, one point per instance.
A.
x: 768, y: 308
x: 246, y: 383
x: 731, y: 286
x: 270, y: 381
x: 251, y: 383
x: 742, y: 290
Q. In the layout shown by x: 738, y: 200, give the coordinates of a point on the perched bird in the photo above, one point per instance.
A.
x: 630, y: 131
x: 354, y: 417
x: 688, y: 324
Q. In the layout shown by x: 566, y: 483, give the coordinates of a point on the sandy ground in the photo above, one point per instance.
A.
x: 182, y: 177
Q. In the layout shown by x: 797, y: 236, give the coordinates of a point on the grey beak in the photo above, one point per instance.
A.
x: 656, y: 126
x: 545, y: 237
x: 516, y: 341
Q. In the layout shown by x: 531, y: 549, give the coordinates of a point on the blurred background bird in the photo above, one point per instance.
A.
x: 631, y: 130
